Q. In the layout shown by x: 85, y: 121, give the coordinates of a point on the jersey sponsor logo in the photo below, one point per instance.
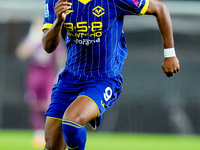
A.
x: 84, y: 1
x: 86, y: 41
x: 84, y: 29
x: 98, y: 11
x: 46, y: 11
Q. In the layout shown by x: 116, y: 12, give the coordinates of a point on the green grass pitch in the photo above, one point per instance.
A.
x: 22, y: 140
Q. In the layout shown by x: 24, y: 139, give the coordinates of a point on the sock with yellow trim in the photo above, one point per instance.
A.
x: 75, y: 135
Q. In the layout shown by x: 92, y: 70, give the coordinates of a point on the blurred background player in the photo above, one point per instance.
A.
x: 42, y: 69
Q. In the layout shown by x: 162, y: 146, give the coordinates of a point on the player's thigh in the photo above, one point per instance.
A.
x: 82, y: 110
x: 53, y: 134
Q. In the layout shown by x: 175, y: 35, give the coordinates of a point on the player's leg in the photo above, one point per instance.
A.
x: 80, y: 112
x: 39, y: 107
x: 93, y: 101
x: 38, y: 120
x: 53, y: 134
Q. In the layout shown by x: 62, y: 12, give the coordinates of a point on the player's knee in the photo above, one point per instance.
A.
x: 78, y: 118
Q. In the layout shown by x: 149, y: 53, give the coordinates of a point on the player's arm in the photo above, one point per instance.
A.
x: 160, y: 11
x: 52, y: 36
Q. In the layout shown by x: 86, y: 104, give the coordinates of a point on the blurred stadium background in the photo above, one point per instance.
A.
x: 150, y: 102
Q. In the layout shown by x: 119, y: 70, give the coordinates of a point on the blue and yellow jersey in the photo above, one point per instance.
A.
x: 96, y: 45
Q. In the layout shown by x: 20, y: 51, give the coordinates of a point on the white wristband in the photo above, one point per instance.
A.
x: 169, y: 52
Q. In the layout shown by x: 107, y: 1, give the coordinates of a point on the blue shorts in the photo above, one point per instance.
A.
x: 103, y: 91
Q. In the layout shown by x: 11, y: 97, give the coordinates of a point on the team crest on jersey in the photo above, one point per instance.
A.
x: 98, y: 11
x: 84, y: 1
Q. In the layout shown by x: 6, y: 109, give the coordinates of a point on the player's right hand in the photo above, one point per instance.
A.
x: 61, y: 9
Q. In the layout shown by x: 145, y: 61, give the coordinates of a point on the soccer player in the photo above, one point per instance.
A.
x: 96, y: 49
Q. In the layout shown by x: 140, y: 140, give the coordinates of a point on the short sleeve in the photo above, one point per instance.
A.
x: 132, y: 7
x: 49, y: 15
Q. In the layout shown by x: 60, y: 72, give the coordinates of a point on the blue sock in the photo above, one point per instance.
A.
x: 75, y: 135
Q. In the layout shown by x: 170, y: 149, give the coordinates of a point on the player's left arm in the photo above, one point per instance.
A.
x: 170, y: 63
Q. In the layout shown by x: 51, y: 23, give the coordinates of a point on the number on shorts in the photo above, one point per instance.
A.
x: 108, y: 93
